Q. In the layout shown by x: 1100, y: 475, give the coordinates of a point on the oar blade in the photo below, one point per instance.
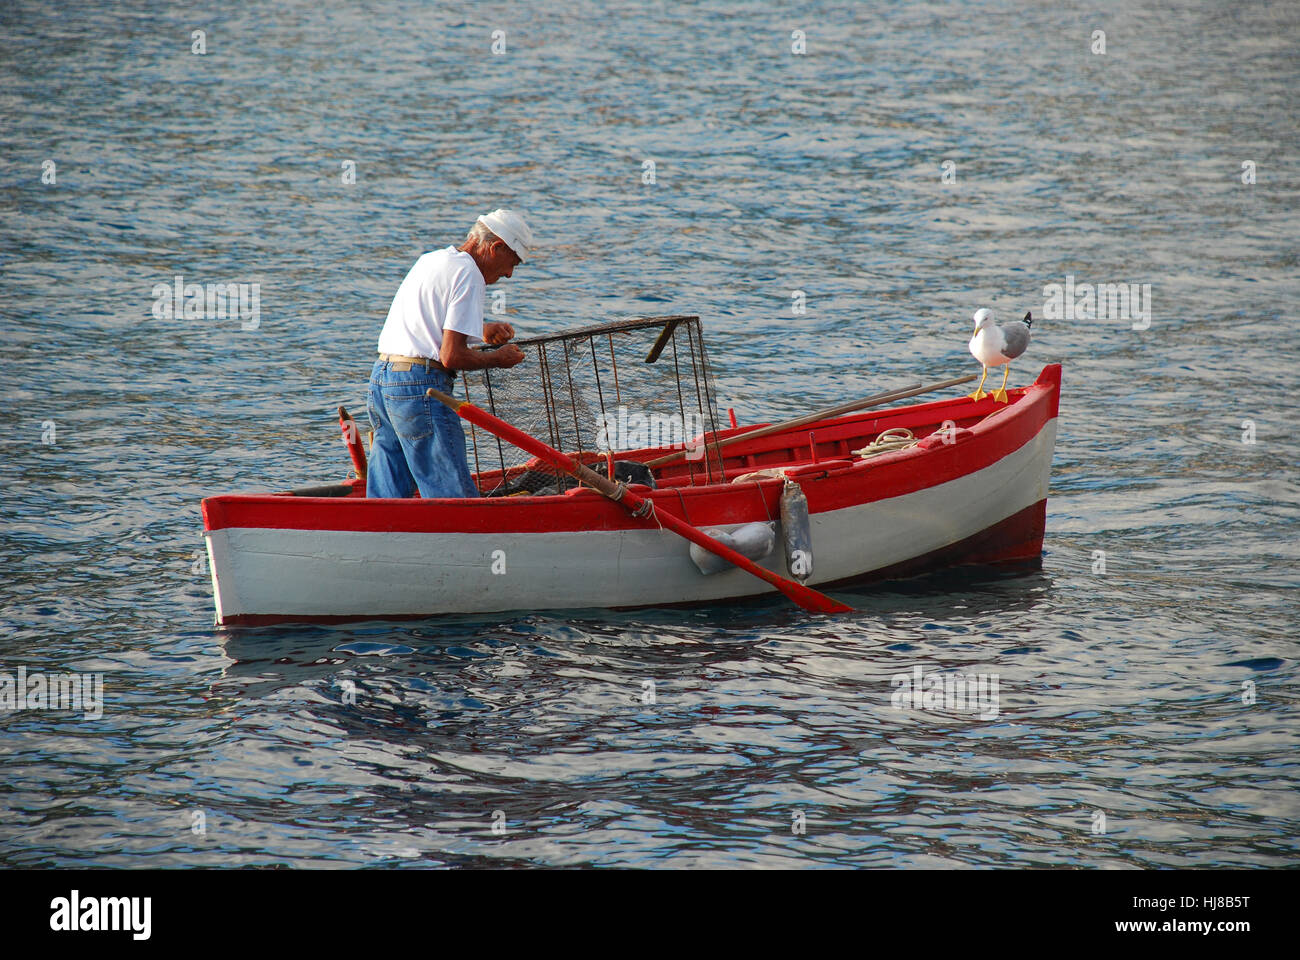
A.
x: 810, y: 599
x: 806, y: 597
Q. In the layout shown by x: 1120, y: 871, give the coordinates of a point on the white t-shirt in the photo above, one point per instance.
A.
x: 443, y: 291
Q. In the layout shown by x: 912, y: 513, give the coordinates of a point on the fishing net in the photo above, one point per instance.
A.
x: 626, y: 385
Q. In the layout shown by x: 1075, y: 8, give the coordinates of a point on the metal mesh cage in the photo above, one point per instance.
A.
x: 622, y: 386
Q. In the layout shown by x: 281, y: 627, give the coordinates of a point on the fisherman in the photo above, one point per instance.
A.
x: 436, y: 316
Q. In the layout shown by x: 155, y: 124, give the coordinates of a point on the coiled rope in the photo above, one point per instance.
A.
x: 895, y: 438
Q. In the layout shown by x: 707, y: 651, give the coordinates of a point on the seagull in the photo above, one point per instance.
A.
x: 995, y: 345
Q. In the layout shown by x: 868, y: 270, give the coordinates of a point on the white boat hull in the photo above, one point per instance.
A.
x: 273, y: 573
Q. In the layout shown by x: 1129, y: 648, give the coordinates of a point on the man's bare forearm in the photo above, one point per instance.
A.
x: 456, y: 355
x: 466, y: 359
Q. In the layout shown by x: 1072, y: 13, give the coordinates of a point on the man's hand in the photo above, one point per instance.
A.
x: 507, y: 356
x: 497, y: 333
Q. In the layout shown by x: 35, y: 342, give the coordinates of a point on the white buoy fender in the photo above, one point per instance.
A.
x: 796, y: 532
x: 753, y: 540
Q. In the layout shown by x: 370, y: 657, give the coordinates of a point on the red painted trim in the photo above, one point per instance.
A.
x: 1002, y: 429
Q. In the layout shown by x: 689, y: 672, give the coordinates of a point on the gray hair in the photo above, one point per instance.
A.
x: 480, y: 234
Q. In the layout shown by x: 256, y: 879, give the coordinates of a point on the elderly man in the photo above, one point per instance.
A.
x: 419, y: 445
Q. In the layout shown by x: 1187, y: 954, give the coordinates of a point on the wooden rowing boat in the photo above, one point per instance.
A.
x: 972, y: 491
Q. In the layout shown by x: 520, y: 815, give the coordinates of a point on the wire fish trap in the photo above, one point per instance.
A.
x: 621, y: 391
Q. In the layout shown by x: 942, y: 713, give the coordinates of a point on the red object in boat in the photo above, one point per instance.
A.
x: 352, y: 437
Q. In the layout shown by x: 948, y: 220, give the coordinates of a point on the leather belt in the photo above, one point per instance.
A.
x: 402, y: 364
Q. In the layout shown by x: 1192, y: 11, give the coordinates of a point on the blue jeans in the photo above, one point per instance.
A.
x: 419, y: 442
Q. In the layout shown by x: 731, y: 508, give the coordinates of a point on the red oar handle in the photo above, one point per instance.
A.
x: 806, y: 597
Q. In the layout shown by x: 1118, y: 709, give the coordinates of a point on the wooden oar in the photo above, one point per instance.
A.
x: 875, y: 400
x: 639, y: 507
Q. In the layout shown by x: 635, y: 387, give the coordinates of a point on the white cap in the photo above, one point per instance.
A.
x: 511, y: 228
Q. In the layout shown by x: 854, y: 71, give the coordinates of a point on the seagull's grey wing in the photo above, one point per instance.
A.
x: 1015, y: 338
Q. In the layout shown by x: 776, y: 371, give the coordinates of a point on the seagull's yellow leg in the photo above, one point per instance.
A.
x: 979, y: 393
x: 1000, y: 394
